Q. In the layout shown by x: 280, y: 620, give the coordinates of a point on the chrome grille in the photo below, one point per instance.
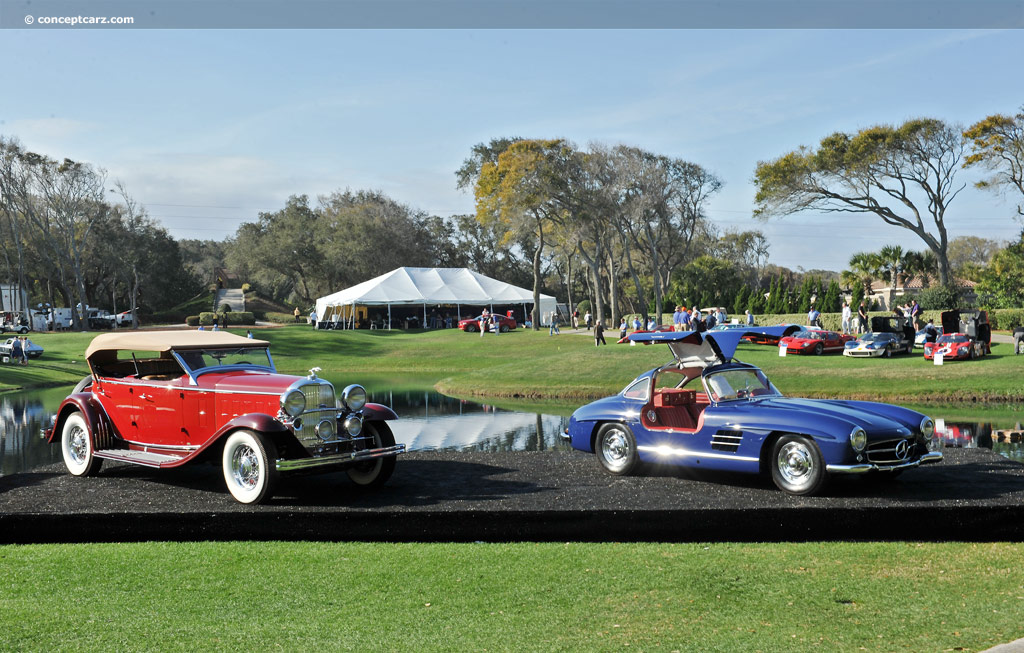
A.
x: 884, y: 452
x: 319, y: 395
x: 319, y: 406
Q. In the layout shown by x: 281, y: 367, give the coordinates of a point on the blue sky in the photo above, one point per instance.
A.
x: 207, y: 128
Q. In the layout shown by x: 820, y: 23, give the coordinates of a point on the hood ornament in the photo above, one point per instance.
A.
x: 312, y: 373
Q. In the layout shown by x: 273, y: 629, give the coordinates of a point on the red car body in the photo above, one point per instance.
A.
x: 954, y: 346
x: 815, y: 342
x: 472, y: 325
x: 164, y: 399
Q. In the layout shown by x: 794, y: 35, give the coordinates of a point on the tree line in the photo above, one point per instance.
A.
x: 69, y: 240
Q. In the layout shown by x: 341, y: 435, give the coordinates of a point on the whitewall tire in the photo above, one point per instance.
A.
x: 249, y: 464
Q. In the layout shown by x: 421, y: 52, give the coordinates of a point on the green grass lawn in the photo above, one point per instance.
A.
x: 533, y: 365
x: 248, y: 596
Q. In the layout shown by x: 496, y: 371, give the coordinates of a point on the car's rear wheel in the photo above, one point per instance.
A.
x: 504, y: 328
x: 249, y: 466
x: 819, y: 349
x: 888, y: 352
x: 470, y: 328
x: 797, y: 465
x: 76, y: 446
x: 376, y: 472
x: 616, y: 449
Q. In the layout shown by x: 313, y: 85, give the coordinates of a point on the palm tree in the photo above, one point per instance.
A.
x: 895, y: 261
x: 865, y: 267
x: 921, y: 263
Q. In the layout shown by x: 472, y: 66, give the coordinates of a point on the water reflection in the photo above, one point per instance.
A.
x: 431, y: 421
x: 428, y: 421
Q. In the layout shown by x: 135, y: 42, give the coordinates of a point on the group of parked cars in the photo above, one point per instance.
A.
x: 962, y: 335
x: 167, y: 399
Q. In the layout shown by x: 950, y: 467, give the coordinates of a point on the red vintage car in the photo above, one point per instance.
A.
x: 815, y: 341
x: 966, y: 335
x: 167, y: 398
x: 472, y: 325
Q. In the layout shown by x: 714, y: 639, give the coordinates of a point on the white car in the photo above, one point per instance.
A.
x: 7, y: 348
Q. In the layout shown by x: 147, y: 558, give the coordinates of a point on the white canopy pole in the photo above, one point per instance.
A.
x: 424, y: 325
x: 458, y: 313
x: 389, y: 317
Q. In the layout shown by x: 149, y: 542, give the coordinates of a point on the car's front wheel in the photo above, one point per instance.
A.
x: 376, y: 472
x: 819, y: 349
x: 470, y: 328
x: 797, y: 465
x: 504, y: 328
x: 76, y: 446
x: 616, y: 449
x: 249, y: 466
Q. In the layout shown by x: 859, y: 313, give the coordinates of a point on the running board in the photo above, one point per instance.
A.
x: 145, y: 458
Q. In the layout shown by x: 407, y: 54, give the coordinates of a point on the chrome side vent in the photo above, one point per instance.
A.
x: 728, y: 441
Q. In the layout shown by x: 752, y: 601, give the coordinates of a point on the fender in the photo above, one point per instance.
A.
x: 101, y: 430
x: 378, y: 413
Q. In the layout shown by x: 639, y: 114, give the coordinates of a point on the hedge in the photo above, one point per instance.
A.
x: 232, y: 318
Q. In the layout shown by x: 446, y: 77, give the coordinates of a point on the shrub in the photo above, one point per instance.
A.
x: 225, y: 308
x: 227, y: 319
x: 279, y: 318
x: 940, y: 298
x: 583, y: 307
x: 192, y: 320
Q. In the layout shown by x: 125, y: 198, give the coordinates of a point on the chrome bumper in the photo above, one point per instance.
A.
x: 293, y: 464
x: 930, y: 457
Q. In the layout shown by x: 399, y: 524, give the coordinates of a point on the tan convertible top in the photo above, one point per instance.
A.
x: 163, y: 341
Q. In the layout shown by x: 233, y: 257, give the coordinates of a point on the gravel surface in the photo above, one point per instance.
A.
x: 546, y: 496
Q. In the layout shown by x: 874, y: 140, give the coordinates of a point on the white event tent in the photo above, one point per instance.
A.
x: 428, y: 287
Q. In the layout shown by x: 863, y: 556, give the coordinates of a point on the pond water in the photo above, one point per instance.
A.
x: 431, y: 421
x: 427, y: 421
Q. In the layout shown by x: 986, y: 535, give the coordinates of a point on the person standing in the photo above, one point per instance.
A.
x: 24, y: 349
x: 553, y: 327
x: 296, y: 313
x: 576, y: 319
x: 812, y: 317
x: 750, y: 318
x: 684, y: 319
x: 847, y: 314
x: 622, y: 329
x: 637, y: 324
x: 862, y: 317
x: 915, y: 314
x: 587, y: 318
x: 483, y: 323
x: 599, y: 334
x: 496, y: 323
x: 675, y: 319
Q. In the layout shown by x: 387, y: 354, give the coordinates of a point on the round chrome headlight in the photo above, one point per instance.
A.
x: 293, y: 403
x: 858, y: 439
x: 325, y: 430
x: 354, y: 397
x: 354, y: 425
x: 927, y: 428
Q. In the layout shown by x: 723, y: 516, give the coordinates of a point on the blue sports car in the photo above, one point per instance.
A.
x: 707, y: 410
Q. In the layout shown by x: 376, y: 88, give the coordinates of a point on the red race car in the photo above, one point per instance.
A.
x: 954, y: 346
x: 966, y: 335
x: 815, y: 341
x: 472, y: 325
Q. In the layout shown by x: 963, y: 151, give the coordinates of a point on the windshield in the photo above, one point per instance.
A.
x: 205, y: 359
x: 739, y: 384
x: 809, y: 335
x: 953, y: 338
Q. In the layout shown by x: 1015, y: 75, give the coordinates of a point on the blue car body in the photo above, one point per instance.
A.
x: 701, y: 418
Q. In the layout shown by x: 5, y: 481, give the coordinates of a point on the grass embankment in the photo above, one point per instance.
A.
x: 510, y: 597
x: 535, y: 366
